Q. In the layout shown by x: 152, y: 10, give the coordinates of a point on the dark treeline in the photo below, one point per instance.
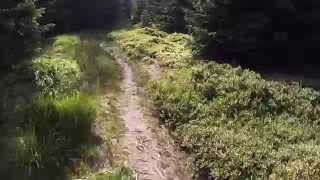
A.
x: 74, y: 15
x: 275, y: 32
x: 278, y: 33
x: 23, y: 23
x: 168, y: 15
x: 19, y: 30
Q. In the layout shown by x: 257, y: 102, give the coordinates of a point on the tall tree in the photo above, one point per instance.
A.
x: 19, y: 29
x: 255, y: 32
x: 168, y: 15
x: 250, y: 32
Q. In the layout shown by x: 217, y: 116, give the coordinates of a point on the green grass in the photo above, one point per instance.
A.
x: 233, y: 123
x: 48, y: 108
x: 56, y: 76
x: 64, y: 45
x: 52, y: 131
x: 98, y: 67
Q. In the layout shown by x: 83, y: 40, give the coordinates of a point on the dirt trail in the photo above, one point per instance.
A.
x: 150, y: 151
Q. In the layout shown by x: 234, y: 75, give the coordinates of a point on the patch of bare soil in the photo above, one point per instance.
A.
x: 150, y: 150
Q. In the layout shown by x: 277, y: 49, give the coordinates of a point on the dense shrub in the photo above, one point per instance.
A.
x: 172, y: 49
x: 235, y: 124
x: 238, y: 125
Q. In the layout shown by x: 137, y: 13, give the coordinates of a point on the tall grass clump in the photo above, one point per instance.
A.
x: 56, y: 71
x: 55, y: 76
x: 49, y: 114
x: 52, y: 132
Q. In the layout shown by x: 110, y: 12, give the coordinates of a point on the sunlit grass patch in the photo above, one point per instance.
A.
x: 55, y: 76
x: 65, y: 45
x: 172, y: 50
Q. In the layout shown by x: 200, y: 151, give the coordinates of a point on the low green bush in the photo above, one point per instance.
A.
x: 171, y: 49
x: 237, y: 125
x: 52, y: 131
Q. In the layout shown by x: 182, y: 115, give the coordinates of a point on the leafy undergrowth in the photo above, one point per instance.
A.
x: 171, y: 50
x: 235, y: 124
x: 48, y: 110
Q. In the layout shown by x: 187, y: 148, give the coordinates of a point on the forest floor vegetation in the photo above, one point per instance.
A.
x: 234, y: 123
x: 51, y: 111
x: 79, y: 106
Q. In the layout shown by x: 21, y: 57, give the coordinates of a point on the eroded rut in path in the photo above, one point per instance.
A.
x: 150, y: 151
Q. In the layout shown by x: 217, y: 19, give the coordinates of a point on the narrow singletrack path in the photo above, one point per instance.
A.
x: 150, y: 151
